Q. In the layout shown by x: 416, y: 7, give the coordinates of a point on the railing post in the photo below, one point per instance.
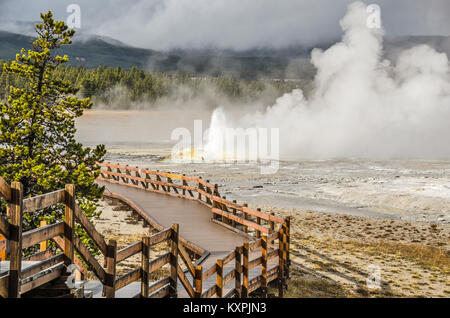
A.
x: 208, y: 190
x: 258, y: 221
x: 245, y: 215
x: 272, y: 223
x: 264, y: 264
x: 15, y: 265
x: 145, y: 265
x: 198, y: 281
x: 69, y: 223
x: 44, y: 244
x: 219, y: 279
x: 233, y: 223
x: 184, y: 184
x: 200, y: 186
x: 245, y: 254
x: 288, y: 243
x: 111, y: 255
x: 174, y: 261
x: 238, y: 271
x: 281, y: 240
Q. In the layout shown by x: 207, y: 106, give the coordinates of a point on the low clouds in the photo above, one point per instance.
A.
x: 237, y: 24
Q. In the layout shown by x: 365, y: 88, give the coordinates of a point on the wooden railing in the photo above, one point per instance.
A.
x: 264, y: 230
x: 269, y: 234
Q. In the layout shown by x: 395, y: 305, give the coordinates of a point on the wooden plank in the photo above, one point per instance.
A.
x: 5, y: 190
x: 210, y: 292
x: 90, y: 229
x: 69, y: 223
x: 230, y: 294
x: 174, y: 260
x: 255, y: 262
x: 191, y: 246
x: 255, y: 244
x: 34, y: 269
x: 129, y: 251
x: 262, y: 215
x: 40, y: 234
x: 57, y: 272
x: 185, y: 282
x: 273, y: 237
x: 272, y: 274
x: 229, y: 277
x: 254, y: 284
x: 110, y: 283
x: 40, y: 256
x: 185, y: 257
x: 159, y: 262
x: 208, y: 273
x: 43, y: 201
x: 127, y: 279
x: 15, y: 266
x: 160, y: 237
x: 89, y: 259
x: 161, y: 293
x: 240, y: 220
x: 273, y: 254
x: 158, y: 284
x: 145, y: 265
x: 229, y: 258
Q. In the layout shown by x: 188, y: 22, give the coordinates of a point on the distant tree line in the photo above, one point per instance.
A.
x: 118, y: 86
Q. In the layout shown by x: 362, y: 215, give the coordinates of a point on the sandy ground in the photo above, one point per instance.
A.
x: 339, y: 253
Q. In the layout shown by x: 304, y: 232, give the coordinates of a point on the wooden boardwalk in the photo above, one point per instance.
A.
x: 195, y: 221
x: 215, y: 247
x: 194, y: 218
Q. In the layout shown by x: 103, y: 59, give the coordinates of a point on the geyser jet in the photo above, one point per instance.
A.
x: 362, y: 105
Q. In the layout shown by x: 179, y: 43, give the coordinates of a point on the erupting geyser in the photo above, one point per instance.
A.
x: 362, y: 106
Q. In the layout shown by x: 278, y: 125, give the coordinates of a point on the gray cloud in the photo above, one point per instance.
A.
x: 238, y: 24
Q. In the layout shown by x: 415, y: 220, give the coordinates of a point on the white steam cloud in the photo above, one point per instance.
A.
x: 362, y: 106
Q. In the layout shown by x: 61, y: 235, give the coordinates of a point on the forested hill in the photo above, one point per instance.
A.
x: 96, y: 51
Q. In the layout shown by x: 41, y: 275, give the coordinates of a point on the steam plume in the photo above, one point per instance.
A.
x: 363, y: 106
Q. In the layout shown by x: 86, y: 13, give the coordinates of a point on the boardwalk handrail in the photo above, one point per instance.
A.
x: 259, y: 226
x: 207, y: 194
x: 229, y: 214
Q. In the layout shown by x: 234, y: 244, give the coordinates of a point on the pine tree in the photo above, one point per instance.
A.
x: 37, y: 127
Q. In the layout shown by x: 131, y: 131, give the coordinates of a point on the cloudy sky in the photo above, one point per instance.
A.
x: 238, y: 24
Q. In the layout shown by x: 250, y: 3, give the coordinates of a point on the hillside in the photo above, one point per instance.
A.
x: 94, y: 51
x: 91, y: 51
